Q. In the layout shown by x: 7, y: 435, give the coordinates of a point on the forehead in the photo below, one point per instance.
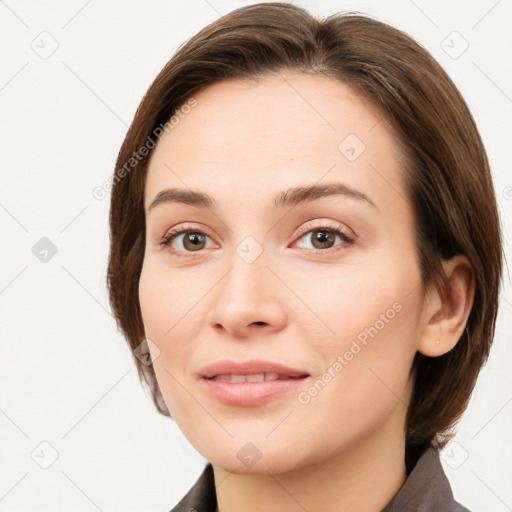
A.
x: 254, y: 136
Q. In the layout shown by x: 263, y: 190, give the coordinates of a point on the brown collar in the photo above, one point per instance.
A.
x: 426, y: 489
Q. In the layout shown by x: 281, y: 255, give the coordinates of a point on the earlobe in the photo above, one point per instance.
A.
x: 446, y: 314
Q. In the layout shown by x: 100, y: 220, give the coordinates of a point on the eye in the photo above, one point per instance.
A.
x: 193, y: 240
x: 323, y: 238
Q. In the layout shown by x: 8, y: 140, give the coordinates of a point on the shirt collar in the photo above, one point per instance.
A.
x: 426, y: 489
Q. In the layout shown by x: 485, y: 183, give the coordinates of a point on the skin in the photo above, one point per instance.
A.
x: 244, y: 143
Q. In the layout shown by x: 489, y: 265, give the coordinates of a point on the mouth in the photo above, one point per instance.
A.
x: 253, y: 368
x: 253, y: 377
x: 250, y: 383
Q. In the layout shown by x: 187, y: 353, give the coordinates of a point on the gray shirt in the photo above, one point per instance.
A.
x: 426, y: 489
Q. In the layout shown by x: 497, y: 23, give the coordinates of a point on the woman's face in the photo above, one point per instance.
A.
x: 325, y: 282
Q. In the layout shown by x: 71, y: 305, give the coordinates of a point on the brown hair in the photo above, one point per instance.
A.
x: 448, y: 176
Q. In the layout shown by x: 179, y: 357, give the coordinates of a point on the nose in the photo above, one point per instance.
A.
x: 248, y: 298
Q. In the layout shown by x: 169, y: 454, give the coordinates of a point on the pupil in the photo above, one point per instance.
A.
x: 324, y: 238
x: 195, y: 239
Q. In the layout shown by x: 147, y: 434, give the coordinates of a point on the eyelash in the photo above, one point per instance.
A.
x: 347, y: 240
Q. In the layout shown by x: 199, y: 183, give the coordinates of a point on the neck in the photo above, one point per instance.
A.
x: 363, y: 477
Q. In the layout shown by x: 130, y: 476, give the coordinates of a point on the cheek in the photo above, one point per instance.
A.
x: 357, y: 302
x: 154, y: 304
x: 366, y: 365
x: 169, y: 301
x: 372, y: 314
x: 172, y: 309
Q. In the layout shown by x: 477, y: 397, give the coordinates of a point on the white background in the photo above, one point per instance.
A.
x: 67, y: 377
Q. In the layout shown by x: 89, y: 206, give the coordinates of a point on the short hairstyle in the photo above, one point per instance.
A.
x: 447, y: 173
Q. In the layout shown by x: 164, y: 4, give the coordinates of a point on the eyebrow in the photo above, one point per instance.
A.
x: 290, y: 197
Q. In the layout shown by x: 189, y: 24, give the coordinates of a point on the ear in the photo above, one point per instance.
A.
x: 445, y: 316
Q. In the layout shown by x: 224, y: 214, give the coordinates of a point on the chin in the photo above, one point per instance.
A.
x: 267, y: 464
x: 258, y: 458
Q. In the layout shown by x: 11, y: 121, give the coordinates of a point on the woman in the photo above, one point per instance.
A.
x: 306, y: 259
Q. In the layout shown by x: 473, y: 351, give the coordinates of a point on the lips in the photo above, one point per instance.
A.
x: 251, y: 383
x: 253, y: 367
x: 252, y: 377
